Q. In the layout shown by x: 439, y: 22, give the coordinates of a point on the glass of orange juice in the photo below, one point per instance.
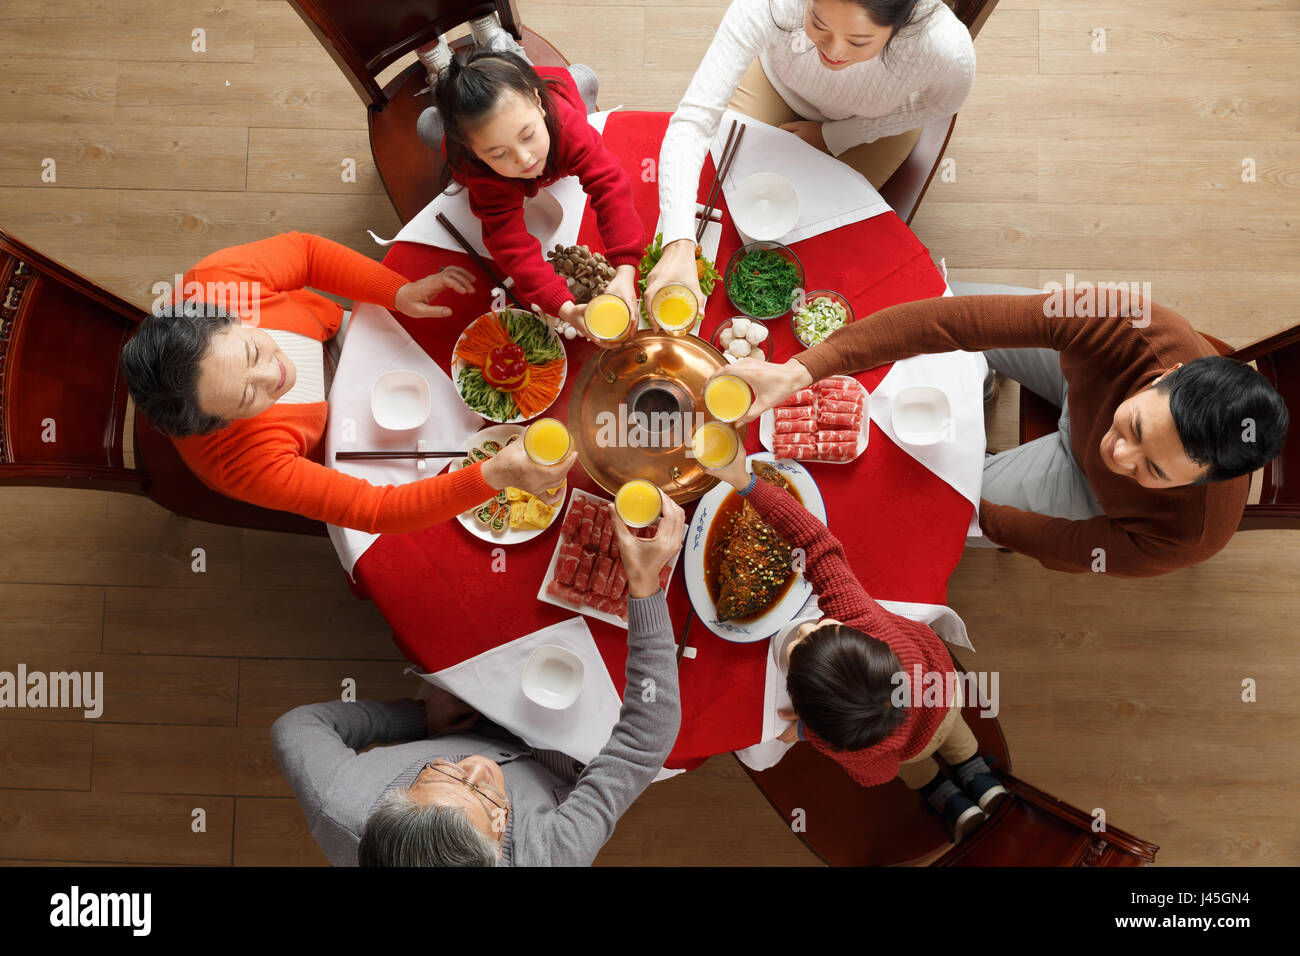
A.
x: 727, y: 397
x: 638, y: 503
x: 608, y: 318
x: 715, y: 445
x: 547, y: 441
x: 675, y: 309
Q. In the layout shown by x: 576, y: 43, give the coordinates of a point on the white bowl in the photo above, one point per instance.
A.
x: 400, y: 400
x: 765, y: 207
x: 552, y: 677
x: 921, y: 415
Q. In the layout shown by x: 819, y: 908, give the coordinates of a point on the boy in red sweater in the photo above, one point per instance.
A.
x: 845, y: 670
x: 512, y: 129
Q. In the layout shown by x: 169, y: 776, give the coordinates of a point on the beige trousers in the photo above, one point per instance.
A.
x: 876, y: 161
x: 953, y: 741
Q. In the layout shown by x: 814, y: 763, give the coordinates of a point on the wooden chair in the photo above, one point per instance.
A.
x: 851, y: 825
x: 1278, y: 359
x: 906, y: 186
x: 66, y: 419
x: 366, y: 38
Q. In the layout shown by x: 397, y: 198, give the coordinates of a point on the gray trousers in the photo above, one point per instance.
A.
x: 1040, y: 476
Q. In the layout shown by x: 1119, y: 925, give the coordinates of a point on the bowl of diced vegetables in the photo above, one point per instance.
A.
x: 743, y: 337
x: 763, y: 279
x: 822, y: 313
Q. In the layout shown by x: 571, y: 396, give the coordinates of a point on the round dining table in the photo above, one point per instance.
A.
x: 903, y: 528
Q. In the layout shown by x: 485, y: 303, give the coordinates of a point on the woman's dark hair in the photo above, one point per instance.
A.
x: 471, y: 90
x: 161, y: 366
x: 841, y: 682
x: 1227, y: 416
x: 899, y: 15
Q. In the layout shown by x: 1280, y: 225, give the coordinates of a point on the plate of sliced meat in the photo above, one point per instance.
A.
x: 745, y: 582
x: 586, y: 571
x: 828, y: 422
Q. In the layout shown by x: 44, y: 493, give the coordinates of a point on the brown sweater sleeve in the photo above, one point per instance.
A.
x: 968, y: 323
x: 1100, y: 545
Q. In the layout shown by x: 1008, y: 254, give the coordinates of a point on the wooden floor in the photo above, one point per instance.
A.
x: 1124, y: 165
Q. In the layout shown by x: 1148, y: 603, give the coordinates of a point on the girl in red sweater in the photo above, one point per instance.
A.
x: 844, y: 671
x: 511, y: 129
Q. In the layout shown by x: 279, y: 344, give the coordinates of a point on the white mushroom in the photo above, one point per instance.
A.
x: 739, y: 348
x: 570, y: 332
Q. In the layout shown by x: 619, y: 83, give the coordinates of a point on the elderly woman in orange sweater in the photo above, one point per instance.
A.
x: 243, y: 396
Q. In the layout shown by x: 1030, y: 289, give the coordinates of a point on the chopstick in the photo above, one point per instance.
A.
x: 681, y: 648
x: 482, y: 263
x: 715, y: 217
x: 728, y: 157
x: 366, y: 455
x: 717, y: 179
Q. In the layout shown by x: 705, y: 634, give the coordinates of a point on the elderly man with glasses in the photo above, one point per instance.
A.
x: 454, y: 790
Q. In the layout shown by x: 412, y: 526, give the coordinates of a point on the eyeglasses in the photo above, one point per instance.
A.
x: 439, y: 766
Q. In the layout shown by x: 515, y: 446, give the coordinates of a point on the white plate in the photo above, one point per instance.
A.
x: 499, y: 434
x: 697, y: 535
x: 767, y: 427
x: 765, y: 206
x: 549, y: 576
x: 921, y: 415
x: 457, y: 365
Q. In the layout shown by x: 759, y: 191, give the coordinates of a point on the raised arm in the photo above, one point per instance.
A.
x: 315, y: 744
x: 649, y: 719
x: 297, y: 260
x: 745, y: 29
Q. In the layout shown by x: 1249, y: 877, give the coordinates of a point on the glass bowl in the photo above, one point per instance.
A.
x: 808, y: 300
x: 763, y: 349
x: 786, y: 253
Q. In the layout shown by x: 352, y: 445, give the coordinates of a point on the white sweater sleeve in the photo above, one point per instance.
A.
x: 746, y: 27
x: 946, y: 68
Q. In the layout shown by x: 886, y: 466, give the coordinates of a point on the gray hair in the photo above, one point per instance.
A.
x: 402, y: 832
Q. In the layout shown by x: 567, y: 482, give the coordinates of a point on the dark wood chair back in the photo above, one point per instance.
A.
x: 847, y: 824
x: 63, y: 402
x: 1278, y: 359
x: 1037, y: 829
x: 365, y: 39
x: 61, y: 339
x: 907, y: 185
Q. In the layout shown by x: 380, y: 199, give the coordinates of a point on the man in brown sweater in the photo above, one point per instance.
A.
x: 1154, y: 474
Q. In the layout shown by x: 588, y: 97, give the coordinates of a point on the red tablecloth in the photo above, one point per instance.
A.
x: 903, y: 528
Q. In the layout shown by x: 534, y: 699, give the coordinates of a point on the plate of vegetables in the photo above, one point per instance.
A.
x: 705, y: 271
x: 763, y: 279
x: 822, y: 314
x: 509, y: 366
x: 513, y: 515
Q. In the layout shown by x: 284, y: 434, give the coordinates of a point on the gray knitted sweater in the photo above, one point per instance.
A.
x: 553, y: 821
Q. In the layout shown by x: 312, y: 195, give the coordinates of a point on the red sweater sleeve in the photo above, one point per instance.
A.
x: 839, y: 592
x: 264, y: 466
x: 583, y: 154
x: 297, y: 260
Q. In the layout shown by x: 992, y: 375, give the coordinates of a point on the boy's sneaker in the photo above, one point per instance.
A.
x: 963, y: 816
x: 985, y: 790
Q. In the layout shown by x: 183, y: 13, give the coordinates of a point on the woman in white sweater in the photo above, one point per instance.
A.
x: 856, y: 78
